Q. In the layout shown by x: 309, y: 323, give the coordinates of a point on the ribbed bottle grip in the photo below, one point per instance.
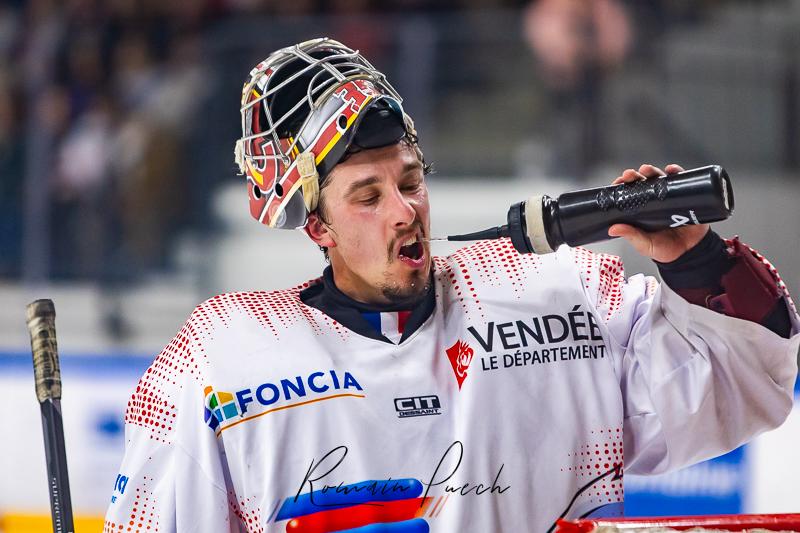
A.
x: 631, y: 196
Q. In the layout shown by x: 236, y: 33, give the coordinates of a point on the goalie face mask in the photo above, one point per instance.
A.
x: 302, y: 109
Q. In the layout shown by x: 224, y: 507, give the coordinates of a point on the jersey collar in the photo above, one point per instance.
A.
x: 388, y: 323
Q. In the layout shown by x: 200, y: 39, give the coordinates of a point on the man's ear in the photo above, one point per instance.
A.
x: 319, y: 232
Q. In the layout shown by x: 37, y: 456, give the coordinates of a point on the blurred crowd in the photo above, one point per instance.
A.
x: 98, y: 101
x: 103, y: 105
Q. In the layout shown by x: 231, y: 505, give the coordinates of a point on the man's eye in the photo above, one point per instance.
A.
x: 413, y: 187
x: 368, y: 200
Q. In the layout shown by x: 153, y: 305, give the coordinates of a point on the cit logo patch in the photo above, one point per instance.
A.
x: 418, y: 406
x: 460, y: 355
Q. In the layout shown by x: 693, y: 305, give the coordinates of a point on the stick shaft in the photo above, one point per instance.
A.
x: 41, y: 318
x: 56, y: 457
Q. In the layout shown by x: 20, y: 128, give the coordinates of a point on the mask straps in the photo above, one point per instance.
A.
x: 309, y: 178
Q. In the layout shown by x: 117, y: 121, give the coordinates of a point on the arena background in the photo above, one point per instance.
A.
x: 120, y: 201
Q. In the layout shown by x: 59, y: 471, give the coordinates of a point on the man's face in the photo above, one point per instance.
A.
x: 377, y: 213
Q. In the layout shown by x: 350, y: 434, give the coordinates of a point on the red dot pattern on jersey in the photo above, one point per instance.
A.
x: 492, y: 263
x: 452, y: 284
x: 610, y: 274
x: 274, y: 310
x: 601, y: 455
x: 772, y: 270
x: 143, y: 513
x: 152, y: 404
x: 249, y: 515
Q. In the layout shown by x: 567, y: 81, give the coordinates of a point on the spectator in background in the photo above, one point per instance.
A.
x: 12, y: 172
x: 146, y: 156
x: 80, y: 194
x: 576, y: 44
x: 164, y: 103
x: 80, y: 179
x: 116, y: 86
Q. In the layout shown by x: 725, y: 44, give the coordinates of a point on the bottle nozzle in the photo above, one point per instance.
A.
x: 496, y: 232
x: 515, y: 229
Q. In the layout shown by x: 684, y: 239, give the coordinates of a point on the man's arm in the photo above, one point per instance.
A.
x: 730, y: 278
x: 725, y: 276
x: 171, y: 477
x: 695, y: 383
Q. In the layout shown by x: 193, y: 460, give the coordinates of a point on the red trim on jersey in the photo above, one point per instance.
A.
x: 402, y: 318
x: 358, y: 516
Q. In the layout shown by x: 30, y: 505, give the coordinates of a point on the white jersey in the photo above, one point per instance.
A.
x: 517, y: 402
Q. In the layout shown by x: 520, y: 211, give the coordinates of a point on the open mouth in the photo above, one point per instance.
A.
x: 411, y: 249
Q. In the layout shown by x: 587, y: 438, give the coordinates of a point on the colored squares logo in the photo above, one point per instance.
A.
x: 230, y: 410
x: 220, y: 406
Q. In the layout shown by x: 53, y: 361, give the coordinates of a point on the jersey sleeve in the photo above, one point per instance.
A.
x: 730, y: 278
x: 172, y: 475
x: 695, y: 383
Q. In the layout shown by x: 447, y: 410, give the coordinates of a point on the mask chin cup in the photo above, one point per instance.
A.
x: 309, y: 178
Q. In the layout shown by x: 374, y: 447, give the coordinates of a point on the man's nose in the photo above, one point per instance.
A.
x: 401, y: 210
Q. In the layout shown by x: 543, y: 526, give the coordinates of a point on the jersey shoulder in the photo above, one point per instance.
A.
x: 497, y: 262
x: 221, y: 309
x: 225, y: 326
x: 276, y: 313
x: 494, y: 269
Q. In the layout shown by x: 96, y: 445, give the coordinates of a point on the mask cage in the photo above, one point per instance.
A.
x: 340, y: 65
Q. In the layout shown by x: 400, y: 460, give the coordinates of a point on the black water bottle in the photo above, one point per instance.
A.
x: 697, y: 196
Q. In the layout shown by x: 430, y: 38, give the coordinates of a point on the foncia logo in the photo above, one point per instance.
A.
x: 220, y: 406
x: 225, y: 409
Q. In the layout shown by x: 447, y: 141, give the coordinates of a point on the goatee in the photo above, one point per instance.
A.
x: 407, y: 296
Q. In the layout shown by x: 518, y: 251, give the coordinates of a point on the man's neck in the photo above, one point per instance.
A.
x: 360, y: 317
x: 383, y: 304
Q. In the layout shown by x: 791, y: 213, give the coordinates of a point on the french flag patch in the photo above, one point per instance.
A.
x: 390, y: 325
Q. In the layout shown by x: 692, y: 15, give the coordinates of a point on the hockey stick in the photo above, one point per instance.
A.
x: 41, y: 317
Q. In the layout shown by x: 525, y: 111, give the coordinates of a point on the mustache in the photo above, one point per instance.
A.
x: 417, y: 228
